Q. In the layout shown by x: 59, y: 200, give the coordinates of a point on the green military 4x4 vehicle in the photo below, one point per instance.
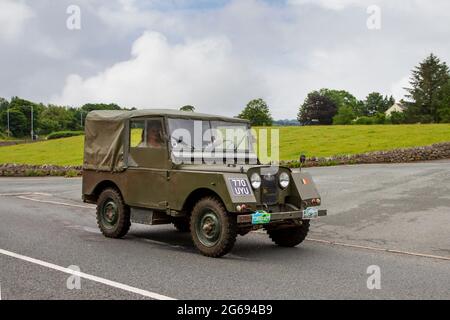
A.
x: 196, y: 171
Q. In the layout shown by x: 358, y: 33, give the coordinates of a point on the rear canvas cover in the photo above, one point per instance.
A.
x: 103, y: 145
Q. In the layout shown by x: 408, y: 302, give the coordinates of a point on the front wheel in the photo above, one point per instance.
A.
x: 113, y: 215
x: 213, y: 229
x: 291, y: 236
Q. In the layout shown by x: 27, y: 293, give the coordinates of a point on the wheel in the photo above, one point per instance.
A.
x: 113, y: 215
x: 182, y: 224
x: 213, y: 229
x: 289, y: 237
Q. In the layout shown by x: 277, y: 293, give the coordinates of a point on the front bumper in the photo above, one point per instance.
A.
x: 246, y: 219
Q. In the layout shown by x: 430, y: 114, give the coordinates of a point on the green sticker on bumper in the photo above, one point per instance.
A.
x: 260, y: 217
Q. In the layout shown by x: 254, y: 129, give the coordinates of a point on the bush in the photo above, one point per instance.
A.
x: 444, y: 115
x: 397, y: 117
x: 344, y: 116
x: 379, y: 118
x: 364, y: 120
x: 72, y: 173
x: 64, y: 134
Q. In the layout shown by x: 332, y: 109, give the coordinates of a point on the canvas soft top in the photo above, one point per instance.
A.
x: 104, y: 134
x: 119, y: 115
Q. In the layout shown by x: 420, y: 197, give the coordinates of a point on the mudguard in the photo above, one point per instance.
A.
x: 305, y: 186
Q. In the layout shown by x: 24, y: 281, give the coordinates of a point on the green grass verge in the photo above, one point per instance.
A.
x: 325, y: 141
x: 66, y: 151
x: 318, y: 141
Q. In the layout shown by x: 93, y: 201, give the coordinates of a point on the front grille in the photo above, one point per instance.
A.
x: 269, y: 189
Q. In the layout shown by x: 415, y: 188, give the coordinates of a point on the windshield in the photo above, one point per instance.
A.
x: 210, y: 139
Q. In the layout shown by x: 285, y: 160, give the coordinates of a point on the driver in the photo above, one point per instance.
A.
x: 154, y: 135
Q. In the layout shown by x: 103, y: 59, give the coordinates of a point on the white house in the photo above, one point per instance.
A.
x: 396, y: 107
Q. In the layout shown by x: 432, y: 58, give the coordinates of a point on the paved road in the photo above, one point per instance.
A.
x: 404, y: 207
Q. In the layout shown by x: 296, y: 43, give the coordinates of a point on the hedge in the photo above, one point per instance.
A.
x: 64, y: 134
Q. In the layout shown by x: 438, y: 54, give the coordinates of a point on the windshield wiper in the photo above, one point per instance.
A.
x: 237, y: 146
x: 184, y: 143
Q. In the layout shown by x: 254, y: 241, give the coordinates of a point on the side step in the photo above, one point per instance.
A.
x: 149, y: 217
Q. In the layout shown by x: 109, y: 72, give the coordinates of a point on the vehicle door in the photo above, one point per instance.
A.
x: 147, y: 163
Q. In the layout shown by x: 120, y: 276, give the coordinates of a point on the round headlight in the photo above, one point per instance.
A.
x: 284, y: 180
x: 255, y: 180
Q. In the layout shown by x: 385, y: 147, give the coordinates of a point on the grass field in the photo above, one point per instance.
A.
x: 313, y: 141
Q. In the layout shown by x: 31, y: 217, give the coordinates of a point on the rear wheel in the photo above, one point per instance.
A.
x: 113, y: 215
x: 213, y: 229
x: 291, y: 236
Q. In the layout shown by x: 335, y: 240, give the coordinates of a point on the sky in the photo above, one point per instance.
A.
x: 215, y: 55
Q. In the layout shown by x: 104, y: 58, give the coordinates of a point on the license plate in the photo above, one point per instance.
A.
x: 260, y: 217
x: 310, y: 213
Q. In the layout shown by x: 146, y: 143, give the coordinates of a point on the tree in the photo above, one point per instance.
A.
x: 344, y: 98
x: 376, y: 103
x: 26, y: 107
x: 55, y: 118
x: 317, y: 107
x: 18, y: 124
x: 344, y: 116
x: 188, y: 108
x: 257, y: 112
x: 426, y: 81
x: 4, y: 104
x: 88, y: 107
x: 444, y: 103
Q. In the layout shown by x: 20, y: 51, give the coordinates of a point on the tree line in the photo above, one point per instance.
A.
x: 46, y: 118
x: 427, y: 101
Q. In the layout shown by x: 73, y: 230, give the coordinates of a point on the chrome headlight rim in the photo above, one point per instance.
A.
x: 255, y: 180
x: 284, y: 180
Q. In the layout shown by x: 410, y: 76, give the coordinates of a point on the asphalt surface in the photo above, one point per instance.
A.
x: 402, y: 207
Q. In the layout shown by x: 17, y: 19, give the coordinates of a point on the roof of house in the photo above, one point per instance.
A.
x: 396, y: 107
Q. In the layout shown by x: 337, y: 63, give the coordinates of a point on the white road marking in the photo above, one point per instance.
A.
x: 341, y: 244
x: 423, y: 255
x: 25, y: 196
x: 57, y: 202
x: 104, y: 281
x: 15, y: 194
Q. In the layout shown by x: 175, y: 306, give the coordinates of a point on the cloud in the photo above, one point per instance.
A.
x: 218, y: 54
x: 13, y: 16
x: 203, y: 73
x: 398, y: 88
x: 328, y: 4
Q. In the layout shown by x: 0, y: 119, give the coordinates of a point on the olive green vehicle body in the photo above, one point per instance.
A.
x: 159, y: 190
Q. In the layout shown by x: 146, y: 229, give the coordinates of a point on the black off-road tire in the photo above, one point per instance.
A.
x: 122, y: 224
x: 289, y: 237
x: 182, y: 224
x: 227, y: 226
